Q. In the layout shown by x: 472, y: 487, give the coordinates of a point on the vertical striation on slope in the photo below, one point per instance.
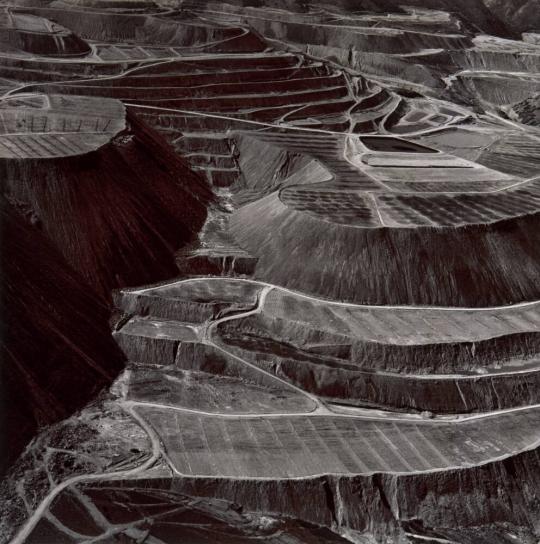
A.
x: 466, y: 266
x: 56, y: 348
x: 117, y: 214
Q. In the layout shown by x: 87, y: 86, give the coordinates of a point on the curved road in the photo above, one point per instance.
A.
x: 25, y: 531
x: 320, y: 410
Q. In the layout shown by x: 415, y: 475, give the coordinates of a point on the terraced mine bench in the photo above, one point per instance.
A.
x: 340, y: 210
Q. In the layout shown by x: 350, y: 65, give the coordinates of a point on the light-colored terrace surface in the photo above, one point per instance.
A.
x: 37, y: 126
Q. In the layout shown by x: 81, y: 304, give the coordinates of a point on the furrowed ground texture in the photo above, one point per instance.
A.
x: 312, y: 228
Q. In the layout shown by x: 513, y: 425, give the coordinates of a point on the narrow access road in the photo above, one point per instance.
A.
x: 25, y: 531
x: 344, y: 304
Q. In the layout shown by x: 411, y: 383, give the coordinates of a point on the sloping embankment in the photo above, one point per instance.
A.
x: 464, y: 266
x: 57, y: 351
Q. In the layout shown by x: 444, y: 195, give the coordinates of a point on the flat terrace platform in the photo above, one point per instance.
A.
x: 303, y: 446
x: 38, y: 126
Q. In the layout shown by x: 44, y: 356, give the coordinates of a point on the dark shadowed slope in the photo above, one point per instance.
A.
x: 118, y: 213
x: 57, y: 351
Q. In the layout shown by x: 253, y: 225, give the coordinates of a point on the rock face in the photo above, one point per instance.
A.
x: 270, y: 272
